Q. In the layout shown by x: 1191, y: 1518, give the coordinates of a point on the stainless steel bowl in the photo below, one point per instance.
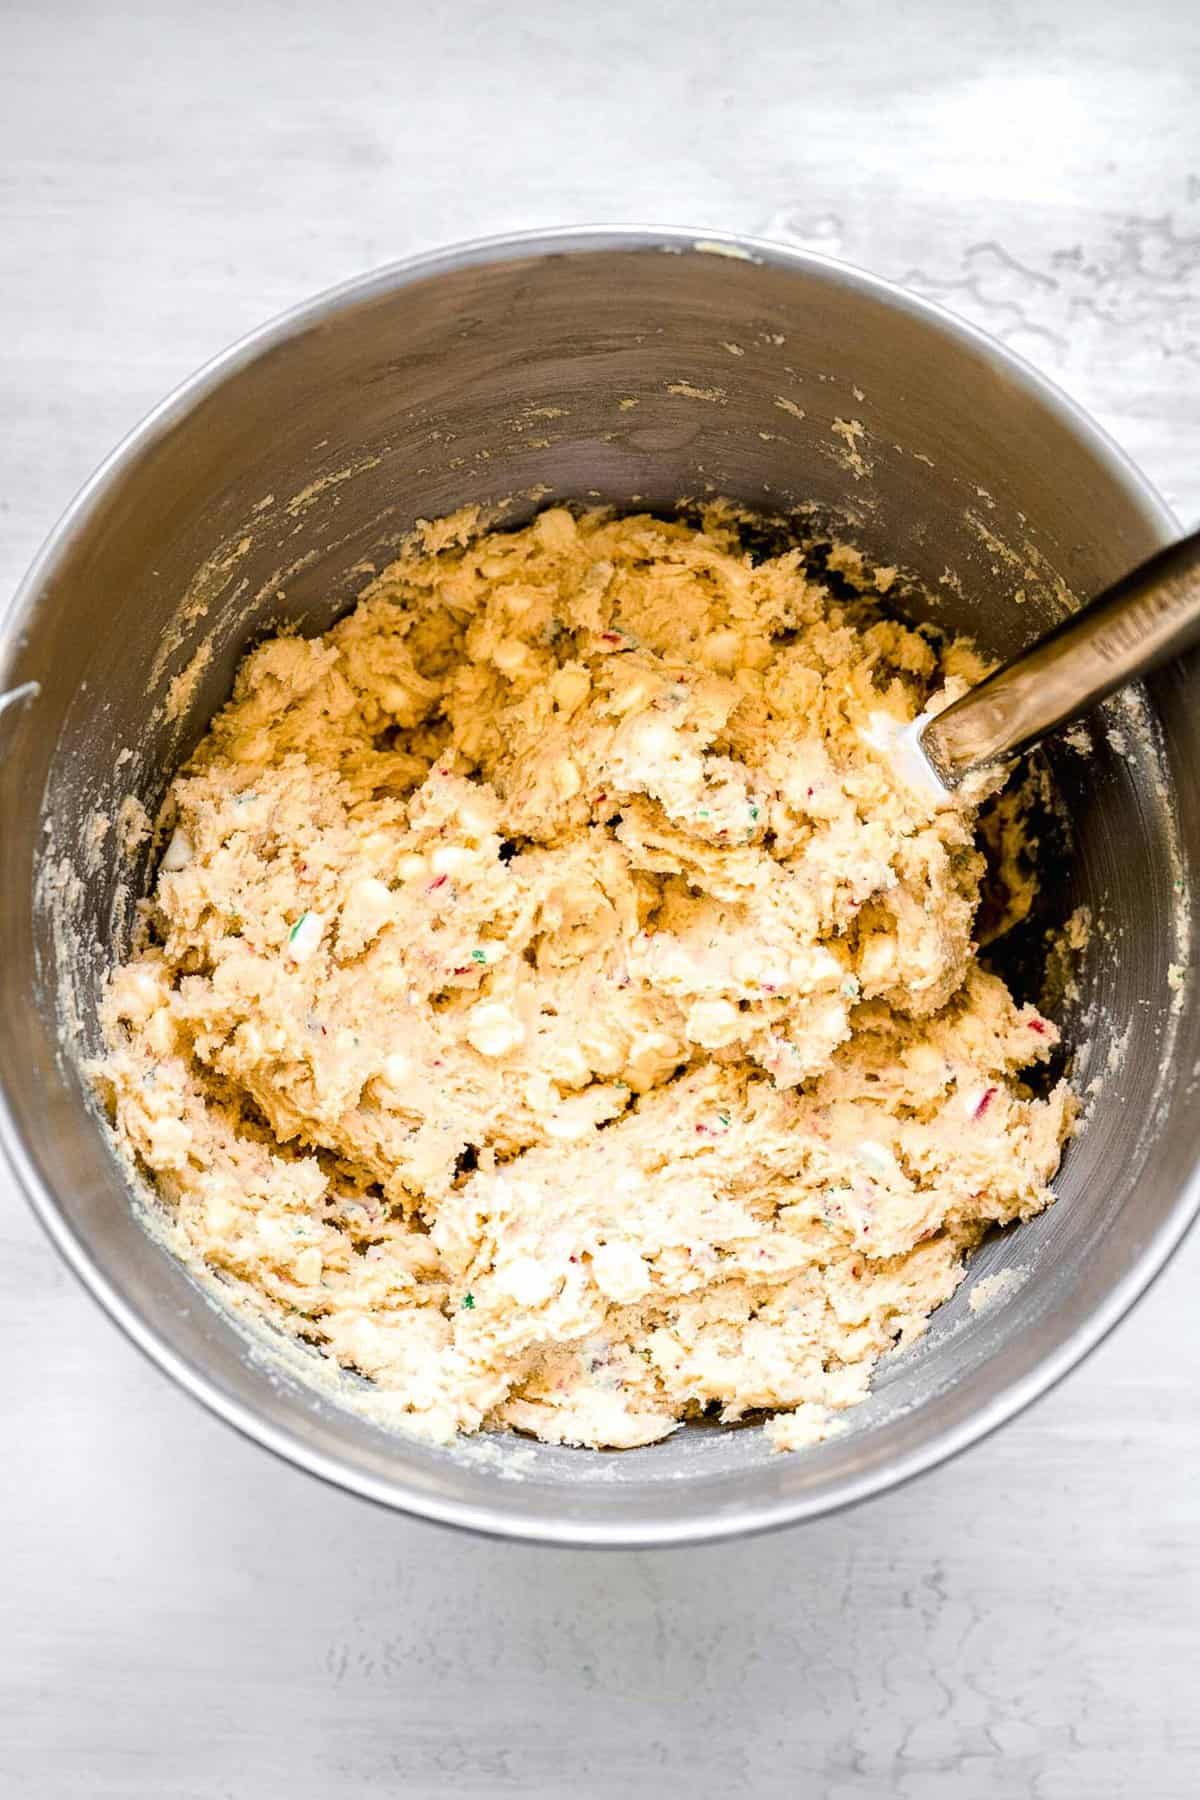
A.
x: 504, y: 370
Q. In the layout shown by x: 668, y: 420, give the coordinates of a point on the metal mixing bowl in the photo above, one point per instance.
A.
x: 505, y: 370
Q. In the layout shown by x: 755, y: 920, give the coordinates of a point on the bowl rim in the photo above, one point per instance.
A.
x: 395, y: 1492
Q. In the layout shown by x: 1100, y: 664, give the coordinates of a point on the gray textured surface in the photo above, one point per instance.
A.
x: 182, y: 1618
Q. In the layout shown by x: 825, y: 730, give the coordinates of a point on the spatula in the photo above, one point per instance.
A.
x: 1149, y: 616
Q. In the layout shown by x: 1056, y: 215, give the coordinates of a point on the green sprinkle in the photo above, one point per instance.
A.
x: 724, y: 1118
x: 468, y: 1303
x: 703, y: 813
x: 754, y: 812
x: 479, y: 956
x: 296, y: 927
x: 850, y: 987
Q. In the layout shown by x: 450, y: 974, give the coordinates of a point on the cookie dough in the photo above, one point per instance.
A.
x: 551, y: 1008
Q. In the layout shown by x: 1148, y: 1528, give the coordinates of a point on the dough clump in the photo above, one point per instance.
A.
x: 551, y: 1006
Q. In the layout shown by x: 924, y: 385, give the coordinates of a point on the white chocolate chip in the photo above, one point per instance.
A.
x: 539, y: 1093
x: 556, y: 528
x: 748, y: 966
x: 509, y: 656
x: 308, y: 1266
x: 372, y: 894
x: 654, y: 739
x: 249, y: 1040
x: 219, y: 1215
x: 369, y: 907
x: 571, y: 1067
x: 170, y: 1141
x: 528, y: 1281
x: 492, y: 1029
x: 573, y: 1118
x: 876, y: 1156
x: 652, y: 1055
x: 160, y: 1032
x: 569, y: 688
x: 567, y: 779
x: 877, y: 958
x: 719, y: 650
x: 631, y: 695
x: 450, y: 859
x: 713, y: 1023
x: 823, y: 966
x: 620, y: 1273
x: 178, y: 853
x: 397, y: 700
x: 138, y: 992
x: 305, y: 936
x: 475, y: 819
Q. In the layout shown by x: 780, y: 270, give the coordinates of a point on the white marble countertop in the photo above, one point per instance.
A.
x: 185, y: 1619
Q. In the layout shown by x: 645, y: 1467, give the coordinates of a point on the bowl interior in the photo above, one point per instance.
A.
x: 634, y: 373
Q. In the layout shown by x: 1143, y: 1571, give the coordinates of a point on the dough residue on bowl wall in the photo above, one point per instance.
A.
x: 550, y: 1006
